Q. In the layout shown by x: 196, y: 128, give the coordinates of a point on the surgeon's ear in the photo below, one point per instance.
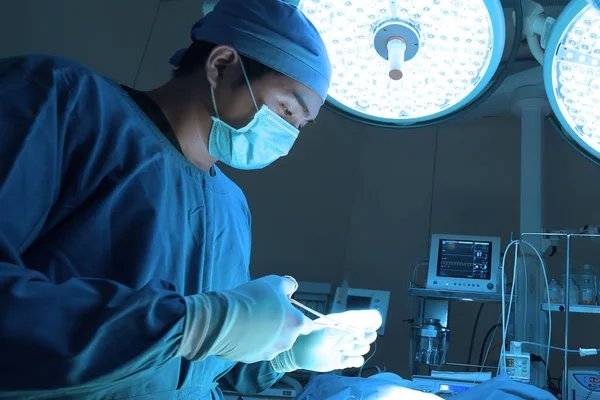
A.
x: 220, y: 58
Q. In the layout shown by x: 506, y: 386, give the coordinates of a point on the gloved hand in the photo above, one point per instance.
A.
x: 328, y: 348
x: 251, y: 323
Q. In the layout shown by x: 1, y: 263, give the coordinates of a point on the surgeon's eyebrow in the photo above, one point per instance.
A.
x: 302, y: 103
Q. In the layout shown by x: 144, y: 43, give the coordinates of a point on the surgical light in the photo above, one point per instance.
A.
x: 572, y: 75
x: 404, y: 62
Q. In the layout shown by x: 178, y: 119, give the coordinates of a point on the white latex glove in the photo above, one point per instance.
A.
x: 251, y: 323
x: 327, y: 348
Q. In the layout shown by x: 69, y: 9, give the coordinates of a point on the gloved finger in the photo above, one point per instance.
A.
x: 344, y: 344
x: 361, y: 318
x: 356, y: 350
x: 337, y: 330
x: 296, y: 320
x: 352, y: 362
x: 366, y: 339
x: 307, y: 325
x: 291, y: 333
x: 372, y: 329
x: 295, y: 324
x: 289, y: 285
x: 343, y: 337
x: 319, y: 326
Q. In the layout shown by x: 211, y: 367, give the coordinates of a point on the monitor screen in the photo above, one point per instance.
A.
x: 464, y: 259
x: 358, y: 303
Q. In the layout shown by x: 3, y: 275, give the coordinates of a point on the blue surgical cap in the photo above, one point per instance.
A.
x: 271, y: 32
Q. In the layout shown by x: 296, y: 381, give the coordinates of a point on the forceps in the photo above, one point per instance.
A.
x: 332, y: 322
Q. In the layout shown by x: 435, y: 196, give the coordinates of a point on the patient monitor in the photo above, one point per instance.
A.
x: 464, y: 263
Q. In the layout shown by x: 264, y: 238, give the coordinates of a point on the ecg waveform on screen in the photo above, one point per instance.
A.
x: 457, y: 264
x: 462, y: 259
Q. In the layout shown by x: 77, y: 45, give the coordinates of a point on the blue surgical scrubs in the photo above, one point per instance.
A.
x: 104, y: 227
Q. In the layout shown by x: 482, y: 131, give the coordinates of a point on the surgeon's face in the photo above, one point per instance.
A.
x: 291, y: 100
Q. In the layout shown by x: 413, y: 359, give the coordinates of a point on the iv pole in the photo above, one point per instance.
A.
x: 531, y: 104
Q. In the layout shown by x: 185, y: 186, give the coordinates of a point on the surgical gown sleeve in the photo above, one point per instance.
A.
x: 252, y: 378
x: 77, y: 331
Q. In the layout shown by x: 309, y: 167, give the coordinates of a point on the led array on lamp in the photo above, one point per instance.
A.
x: 454, y: 40
x: 572, y: 73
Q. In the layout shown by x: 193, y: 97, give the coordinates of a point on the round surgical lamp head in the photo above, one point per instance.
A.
x: 572, y: 75
x: 403, y: 62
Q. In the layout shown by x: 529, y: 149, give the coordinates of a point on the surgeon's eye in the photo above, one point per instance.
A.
x: 287, y: 111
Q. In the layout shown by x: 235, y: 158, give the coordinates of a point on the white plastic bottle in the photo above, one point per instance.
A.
x: 573, y: 292
x: 588, y: 293
x: 591, y: 272
x: 555, y: 289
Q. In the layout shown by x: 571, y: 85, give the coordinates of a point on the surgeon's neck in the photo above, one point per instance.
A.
x: 189, y: 118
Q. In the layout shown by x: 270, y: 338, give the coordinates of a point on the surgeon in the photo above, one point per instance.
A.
x: 124, y: 250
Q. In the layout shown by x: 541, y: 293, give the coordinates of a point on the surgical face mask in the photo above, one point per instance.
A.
x: 265, y: 139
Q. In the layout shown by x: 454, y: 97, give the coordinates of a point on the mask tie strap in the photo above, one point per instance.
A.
x: 248, y: 83
x: 212, y: 94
